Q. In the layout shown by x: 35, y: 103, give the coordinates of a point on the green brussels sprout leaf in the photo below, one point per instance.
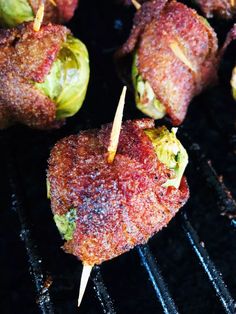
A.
x: 14, y: 12
x: 170, y: 152
x: 144, y: 95
x: 66, y: 223
x: 67, y: 82
x: 204, y: 21
x: 48, y: 188
x: 233, y: 83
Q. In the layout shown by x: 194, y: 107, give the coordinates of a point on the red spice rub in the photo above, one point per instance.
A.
x: 118, y: 205
x: 157, y: 25
x: 26, y: 56
x: 223, y: 8
x: 61, y: 13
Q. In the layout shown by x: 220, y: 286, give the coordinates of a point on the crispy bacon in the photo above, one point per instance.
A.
x: 223, y: 8
x: 158, y: 27
x: 25, y: 57
x: 118, y: 205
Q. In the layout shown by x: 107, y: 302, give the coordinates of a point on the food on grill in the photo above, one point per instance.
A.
x: 104, y: 209
x: 222, y: 8
x: 43, y: 75
x: 14, y: 12
x: 175, y: 56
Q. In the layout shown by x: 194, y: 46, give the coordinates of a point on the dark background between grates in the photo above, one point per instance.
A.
x: 30, y: 244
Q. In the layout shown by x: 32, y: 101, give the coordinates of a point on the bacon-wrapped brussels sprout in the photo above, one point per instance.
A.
x: 175, y: 56
x: 104, y: 209
x: 43, y: 75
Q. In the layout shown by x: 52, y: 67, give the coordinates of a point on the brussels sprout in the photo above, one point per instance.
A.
x: 48, y: 189
x: 66, y: 223
x: 14, y: 12
x: 233, y: 83
x: 170, y: 152
x: 144, y: 95
x: 67, y: 82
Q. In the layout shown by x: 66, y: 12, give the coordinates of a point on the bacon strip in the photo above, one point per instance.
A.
x: 26, y: 56
x: 118, y: 205
x: 223, y: 8
x: 175, y: 76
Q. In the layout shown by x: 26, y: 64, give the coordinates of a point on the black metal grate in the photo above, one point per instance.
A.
x: 209, y: 267
x: 157, y: 280
x: 112, y: 23
x: 146, y: 258
x: 41, y: 280
x: 101, y: 291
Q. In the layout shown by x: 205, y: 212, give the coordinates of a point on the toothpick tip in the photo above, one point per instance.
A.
x: 136, y: 4
x: 39, y: 18
x: 53, y: 3
x: 179, y: 53
x: 84, y: 281
x: 116, y: 127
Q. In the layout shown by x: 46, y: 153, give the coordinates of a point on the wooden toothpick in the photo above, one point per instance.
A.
x: 53, y: 2
x: 114, y: 139
x: 84, y: 281
x: 116, y: 128
x: 177, y: 50
x: 136, y: 4
x: 39, y: 17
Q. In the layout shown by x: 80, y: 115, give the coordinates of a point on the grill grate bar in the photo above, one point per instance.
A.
x: 209, y: 267
x: 101, y: 292
x: 41, y: 281
x: 157, y: 280
x: 225, y: 201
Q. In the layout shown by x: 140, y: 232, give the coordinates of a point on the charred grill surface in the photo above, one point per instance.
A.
x: 210, y: 122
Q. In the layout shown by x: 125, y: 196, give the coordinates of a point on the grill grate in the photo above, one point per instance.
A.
x: 101, y: 292
x: 225, y: 201
x: 157, y: 280
x: 209, y: 267
x: 105, y: 86
x: 146, y: 257
x: 41, y: 280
